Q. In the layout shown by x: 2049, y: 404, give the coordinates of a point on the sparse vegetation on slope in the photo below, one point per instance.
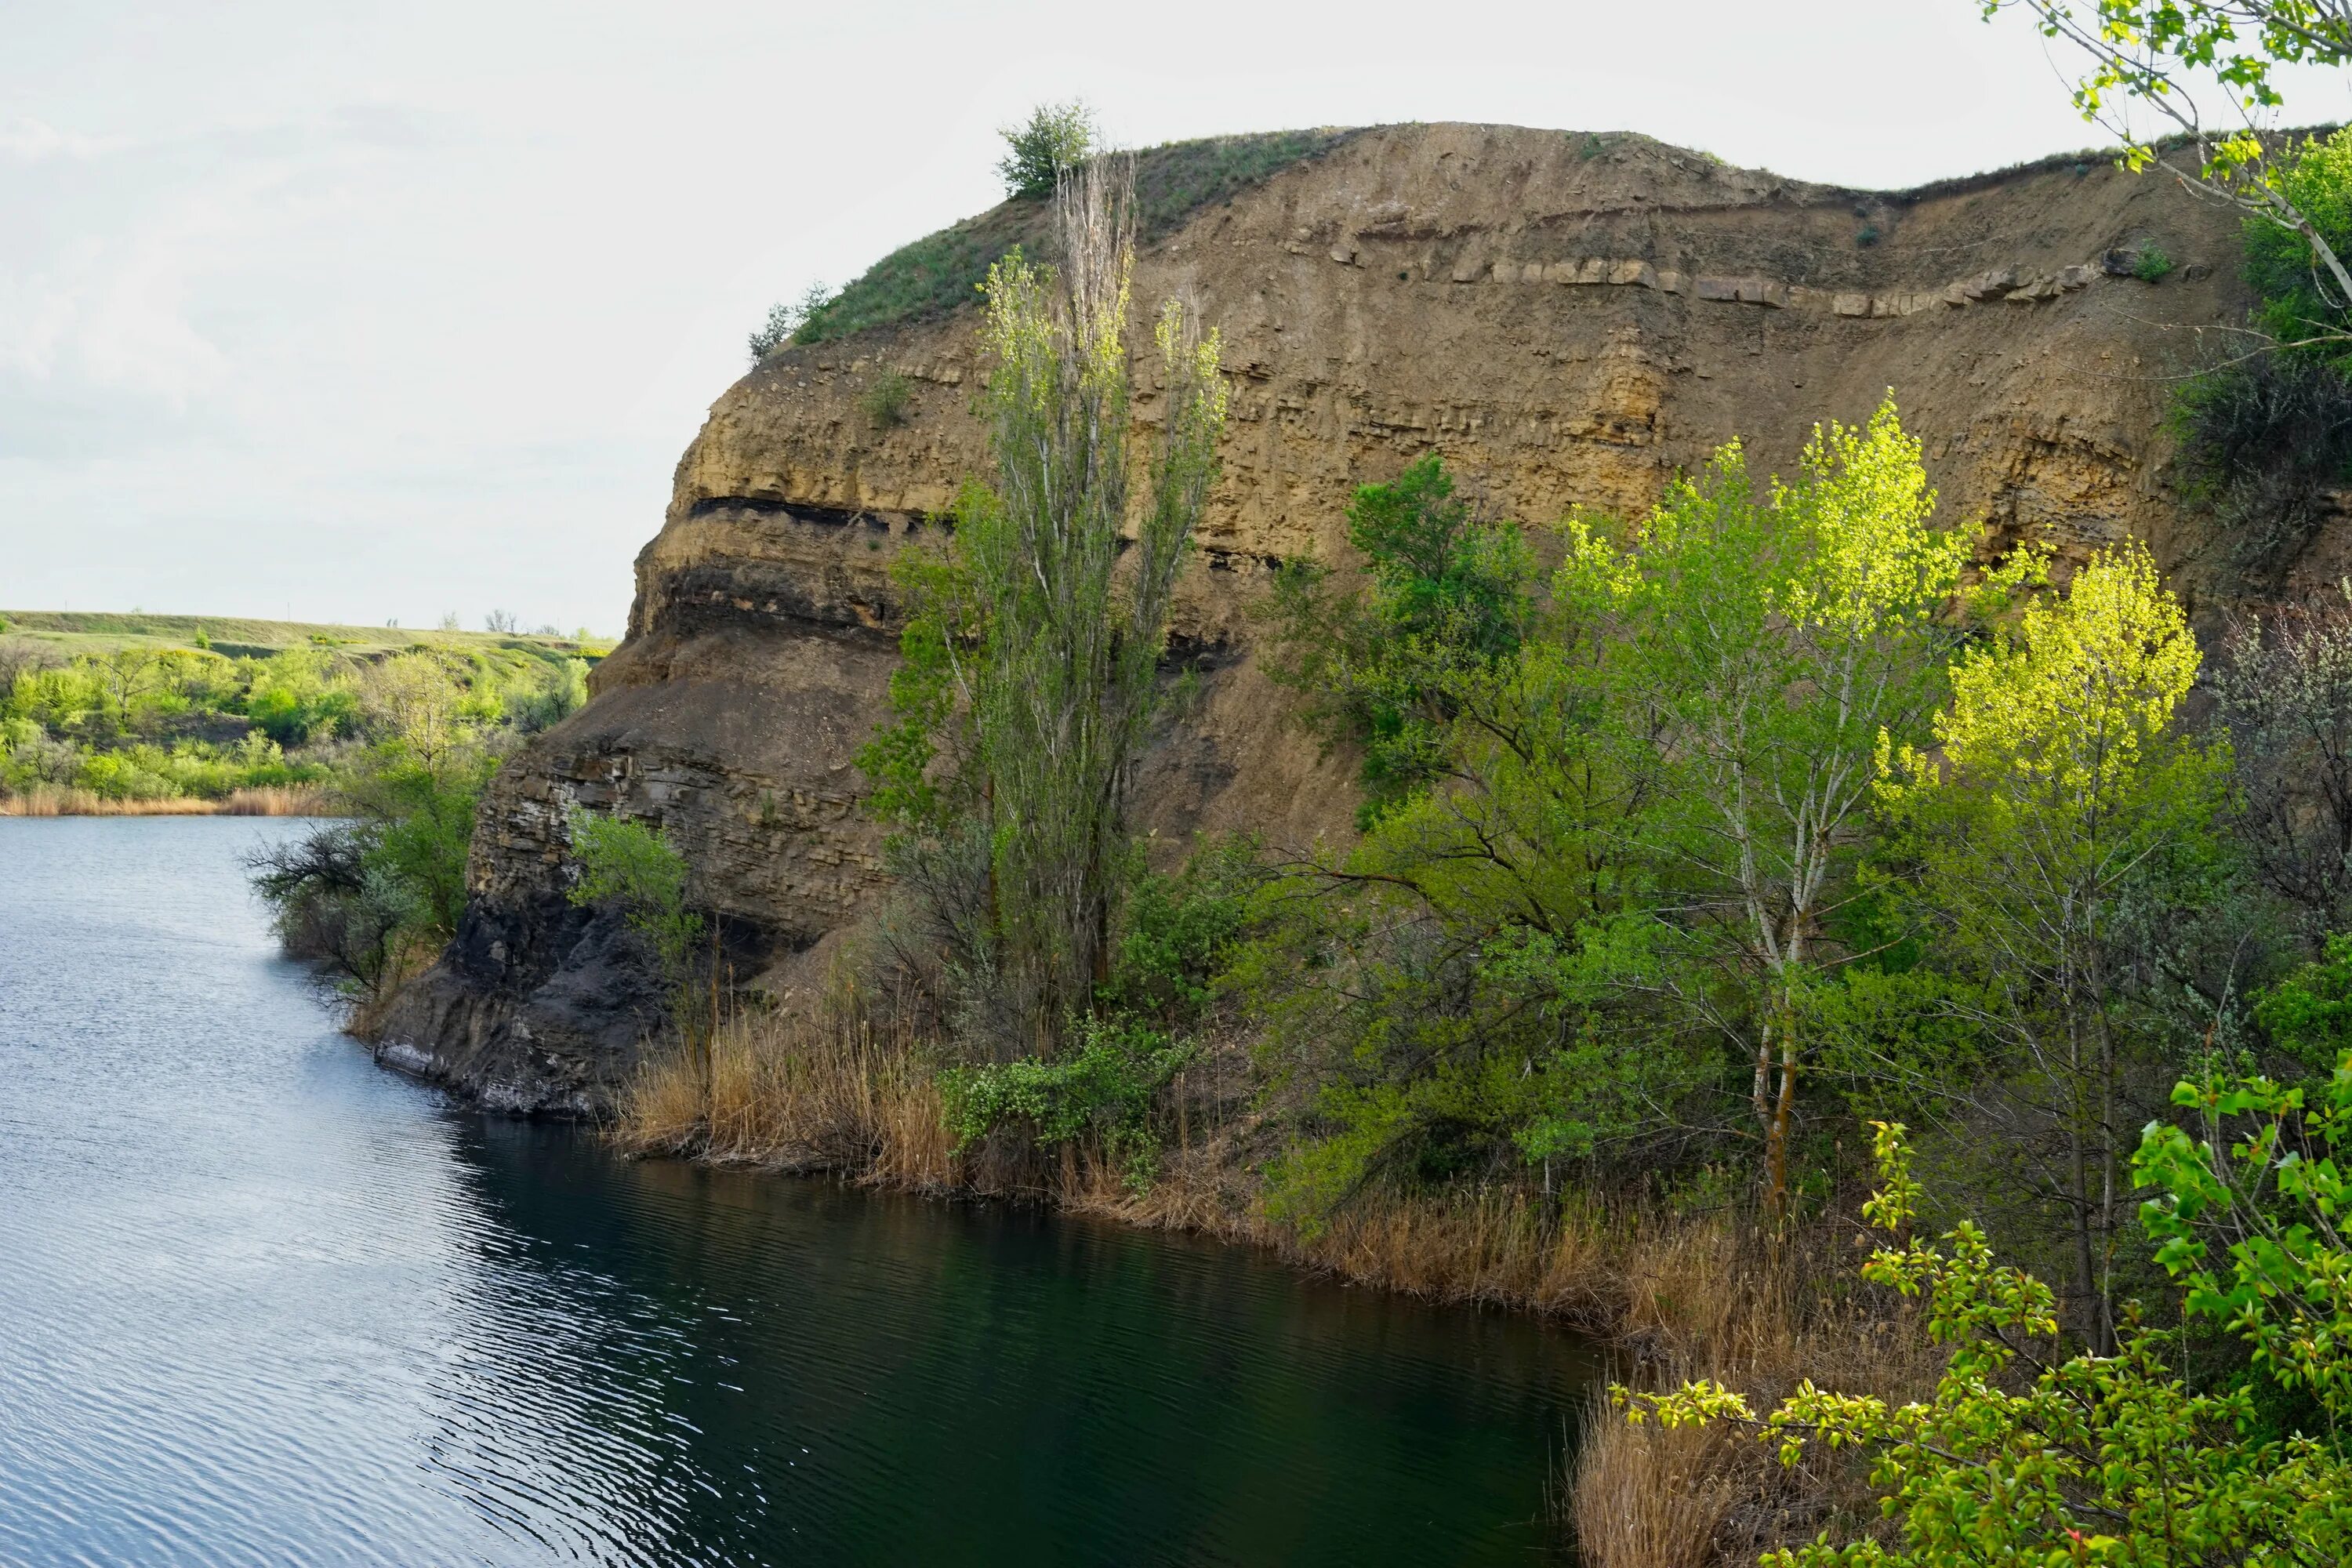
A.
x: 942, y: 271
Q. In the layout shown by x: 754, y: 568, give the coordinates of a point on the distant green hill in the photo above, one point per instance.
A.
x: 100, y: 632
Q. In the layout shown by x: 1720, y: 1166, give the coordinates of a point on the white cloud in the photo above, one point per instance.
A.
x: 428, y: 296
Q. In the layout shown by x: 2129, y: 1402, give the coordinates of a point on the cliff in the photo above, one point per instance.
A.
x: 1568, y: 319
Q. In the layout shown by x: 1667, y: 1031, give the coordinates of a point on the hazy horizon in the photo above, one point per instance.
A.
x: 398, y: 311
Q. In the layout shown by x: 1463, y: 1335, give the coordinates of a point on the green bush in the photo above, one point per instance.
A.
x: 1057, y: 138
x: 2308, y: 1014
x: 2296, y: 300
x: 1179, y: 932
x: 1100, y: 1088
x: 788, y: 322
x: 1444, y: 594
x: 635, y: 865
x: 2028, y: 1458
x: 298, y: 696
x: 120, y: 776
x: 884, y: 401
x: 2151, y: 265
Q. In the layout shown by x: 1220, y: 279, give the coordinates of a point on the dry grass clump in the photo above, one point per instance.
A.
x: 1651, y: 1496
x: 1732, y: 1308
x: 277, y: 800
x: 269, y: 800
x: 1509, y: 1248
x: 795, y: 1093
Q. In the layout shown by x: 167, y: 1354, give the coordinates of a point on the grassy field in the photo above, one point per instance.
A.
x: 84, y: 632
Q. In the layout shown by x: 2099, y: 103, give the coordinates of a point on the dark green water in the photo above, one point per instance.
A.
x: 263, y: 1303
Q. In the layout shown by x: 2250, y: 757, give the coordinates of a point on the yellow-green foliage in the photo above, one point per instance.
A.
x: 1635, y: 804
x: 134, y: 720
x: 2027, y: 1459
x: 2064, y: 729
x: 2062, y: 812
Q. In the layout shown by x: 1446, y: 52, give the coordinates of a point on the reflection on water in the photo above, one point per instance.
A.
x: 262, y: 1304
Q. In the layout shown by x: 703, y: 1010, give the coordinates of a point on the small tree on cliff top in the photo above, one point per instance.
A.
x: 1055, y: 141
x: 1040, y: 633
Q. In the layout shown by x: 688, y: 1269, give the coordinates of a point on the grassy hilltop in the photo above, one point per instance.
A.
x: 236, y: 637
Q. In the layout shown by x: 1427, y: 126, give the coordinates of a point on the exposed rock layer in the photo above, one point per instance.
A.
x: 1568, y: 319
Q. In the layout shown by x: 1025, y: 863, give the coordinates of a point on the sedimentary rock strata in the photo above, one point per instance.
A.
x: 1567, y: 318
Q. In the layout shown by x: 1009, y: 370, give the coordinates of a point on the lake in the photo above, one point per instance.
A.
x: 264, y: 1302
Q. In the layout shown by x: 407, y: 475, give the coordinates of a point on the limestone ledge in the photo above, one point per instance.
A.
x: 2018, y: 285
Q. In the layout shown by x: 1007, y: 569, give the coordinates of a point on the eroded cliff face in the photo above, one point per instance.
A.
x: 1570, y: 320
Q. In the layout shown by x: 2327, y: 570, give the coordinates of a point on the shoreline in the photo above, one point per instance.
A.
x: 265, y: 802
x: 1660, y: 1293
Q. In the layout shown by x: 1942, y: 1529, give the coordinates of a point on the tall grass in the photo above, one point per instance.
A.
x: 832, y: 1093
x: 1759, y: 1318
x: 1653, y: 1497
x: 271, y: 800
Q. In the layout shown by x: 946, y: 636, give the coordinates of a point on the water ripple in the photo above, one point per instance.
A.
x: 265, y: 1305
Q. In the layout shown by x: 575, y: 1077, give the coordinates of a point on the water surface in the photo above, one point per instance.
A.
x: 261, y: 1303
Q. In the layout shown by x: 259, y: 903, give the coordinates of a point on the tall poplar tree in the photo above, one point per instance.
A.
x: 1039, y: 639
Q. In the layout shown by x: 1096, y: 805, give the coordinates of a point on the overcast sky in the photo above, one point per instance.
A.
x: 356, y: 311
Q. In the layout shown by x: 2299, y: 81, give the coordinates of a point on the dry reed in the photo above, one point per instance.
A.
x: 271, y: 800
x: 1651, y: 1495
x: 793, y: 1093
x: 1642, y: 1496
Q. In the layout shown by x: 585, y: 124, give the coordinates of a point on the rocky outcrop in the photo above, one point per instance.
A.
x: 1568, y: 319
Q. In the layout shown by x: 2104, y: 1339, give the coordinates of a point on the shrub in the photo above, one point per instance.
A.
x: 636, y: 867
x: 298, y: 696
x: 2262, y: 442
x: 2295, y: 304
x: 2018, y: 1457
x: 2151, y: 265
x: 333, y: 903
x: 1056, y: 139
x: 1101, y: 1088
x: 424, y: 828
x: 884, y: 401
x: 1446, y: 593
x: 1178, y: 932
x: 550, y: 695
x: 788, y: 322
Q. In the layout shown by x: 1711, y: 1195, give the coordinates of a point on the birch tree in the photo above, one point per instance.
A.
x: 1767, y: 638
